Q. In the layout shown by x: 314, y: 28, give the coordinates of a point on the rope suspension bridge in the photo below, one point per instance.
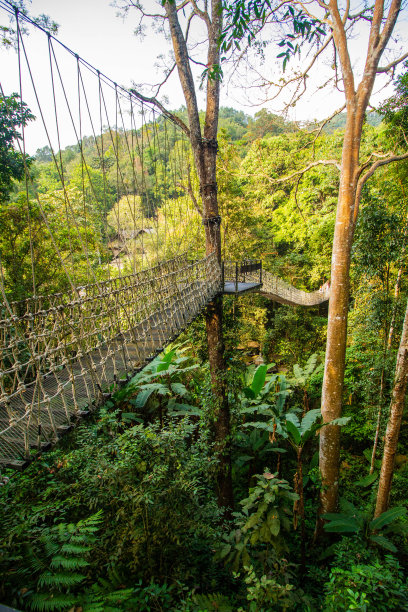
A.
x: 102, y: 258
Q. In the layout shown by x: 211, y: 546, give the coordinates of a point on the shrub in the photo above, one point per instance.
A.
x: 377, y: 586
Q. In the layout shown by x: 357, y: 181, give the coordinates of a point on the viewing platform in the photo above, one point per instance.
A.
x: 241, y: 277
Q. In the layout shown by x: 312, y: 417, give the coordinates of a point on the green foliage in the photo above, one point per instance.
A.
x: 57, y: 562
x: 293, y: 335
x: 26, y: 242
x: 213, y: 601
x: 159, y: 388
x: 380, y: 238
x: 14, y: 114
x: 260, y: 526
x: 160, y: 519
x: 352, y: 521
x: 245, y: 18
x: 395, y: 109
x: 302, y: 375
x: 273, y: 591
x: 257, y: 384
x: 268, y: 407
x: 109, y: 595
x: 376, y: 586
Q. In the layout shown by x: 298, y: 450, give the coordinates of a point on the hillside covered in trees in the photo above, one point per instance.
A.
x: 215, y: 477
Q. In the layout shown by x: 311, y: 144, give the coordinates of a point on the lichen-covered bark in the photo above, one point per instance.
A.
x: 394, y: 422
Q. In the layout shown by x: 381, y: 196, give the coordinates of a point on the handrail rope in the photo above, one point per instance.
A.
x: 132, y: 160
x: 55, y: 161
x: 24, y: 154
x: 60, y: 153
x: 101, y: 284
x: 11, y: 9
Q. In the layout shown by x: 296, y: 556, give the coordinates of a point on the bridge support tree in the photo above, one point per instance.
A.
x: 204, y: 147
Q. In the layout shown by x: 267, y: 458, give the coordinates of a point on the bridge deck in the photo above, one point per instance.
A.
x: 231, y: 287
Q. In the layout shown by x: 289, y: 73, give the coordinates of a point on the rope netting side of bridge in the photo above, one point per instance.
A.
x: 275, y: 288
x: 62, y: 354
x: 102, y: 258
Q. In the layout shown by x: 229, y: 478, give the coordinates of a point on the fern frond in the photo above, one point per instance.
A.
x: 70, y: 563
x: 107, y: 602
x: 60, y: 579
x: 81, y: 539
x: 51, y: 545
x: 213, y: 601
x: 44, y: 602
x: 75, y: 549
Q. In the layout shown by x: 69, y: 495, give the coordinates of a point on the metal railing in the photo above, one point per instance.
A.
x: 244, y: 272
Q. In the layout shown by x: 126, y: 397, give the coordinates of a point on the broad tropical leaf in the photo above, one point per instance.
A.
x: 258, y: 380
x: 310, y: 419
x: 293, y: 431
x: 344, y: 525
x: 178, y: 388
x: 143, y: 397
x: 367, y: 480
x: 341, y: 421
x: 184, y: 409
x: 383, y: 542
x: 388, y: 517
x: 293, y: 418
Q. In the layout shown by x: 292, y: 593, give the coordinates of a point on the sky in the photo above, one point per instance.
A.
x: 92, y: 29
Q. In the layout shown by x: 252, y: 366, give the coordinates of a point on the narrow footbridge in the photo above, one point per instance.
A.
x: 63, y: 354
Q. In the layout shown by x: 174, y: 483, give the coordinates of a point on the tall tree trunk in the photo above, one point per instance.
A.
x: 299, y: 507
x: 332, y: 390
x: 394, y: 311
x: 386, y: 351
x: 205, y: 157
x: 352, y: 179
x: 394, y: 422
x: 379, y: 414
x: 221, y: 407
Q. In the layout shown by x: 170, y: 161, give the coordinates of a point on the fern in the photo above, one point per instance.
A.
x: 44, y: 602
x: 60, y: 579
x: 213, y: 601
x: 60, y: 563
x: 69, y: 562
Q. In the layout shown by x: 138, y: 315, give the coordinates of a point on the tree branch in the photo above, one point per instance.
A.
x: 392, y: 65
x: 185, y: 75
x: 319, y: 128
x: 158, y: 86
x: 191, y: 193
x: 363, y: 179
x: 319, y: 162
x: 202, y: 14
x: 164, y: 110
